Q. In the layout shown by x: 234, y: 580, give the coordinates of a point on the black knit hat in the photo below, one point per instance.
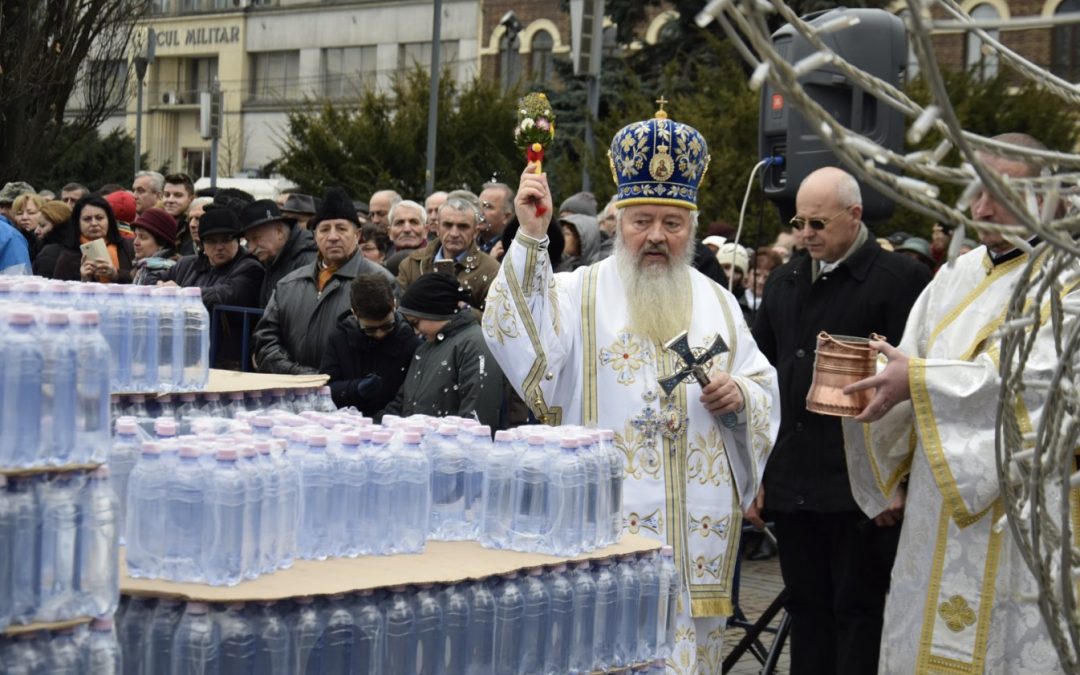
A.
x: 336, y: 204
x: 433, y: 296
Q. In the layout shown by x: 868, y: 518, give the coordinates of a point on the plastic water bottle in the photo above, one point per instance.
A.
x: 254, y: 482
x: 212, y: 406
x: 20, y: 398
x: 670, y: 589
x: 103, y: 653
x: 430, y: 632
x: 288, y: 508
x: 186, y: 520
x: 449, y: 473
x: 455, y: 601
x: 308, y: 637
x: 370, y: 634
x: 7, y: 553
x: 98, y: 576
x: 411, y: 496
x: 22, y: 586
x: 57, y: 392
x: 156, y: 645
x: 223, y: 544
x: 188, y: 406
x: 92, y: 377
x: 582, y: 641
x: 197, y: 642
x: 628, y: 610
x: 270, y: 510
x: 649, y: 575
x: 568, y: 498
x: 350, y: 488
x: 146, y: 500
x: 196, y: 339
x: 116, y: 326
x: 532, y: 516
x: 324, y: 402
x: 509, y: 624
x: 273, y: 653
x: 133, y: 629
x: 534, y: 633
x: 58, y: 498
x: 595, y: 518
x: 607, y: 617
x: 123, y: 454
x: 25, y: 655
x: 616, y: 469
x: 144, y: 338
x: 482, y: 609
x: 498, y: 493
x: 316, y: 480
x: 63, y: 655
x: 400, y: 632
x: 560, y: 621
x: 339, y: 652
x: 478, y: 445
x: 170, y: 334
x: 237, y: 652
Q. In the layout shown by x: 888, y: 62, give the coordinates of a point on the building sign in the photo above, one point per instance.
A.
x: 209, y: 35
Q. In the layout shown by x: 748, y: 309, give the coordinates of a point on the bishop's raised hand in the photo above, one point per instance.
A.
x: 532, y: 191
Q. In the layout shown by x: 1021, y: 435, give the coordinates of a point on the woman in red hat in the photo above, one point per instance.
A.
x: 155, y: 241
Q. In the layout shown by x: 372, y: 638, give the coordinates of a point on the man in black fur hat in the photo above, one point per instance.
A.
x: 306, y: 303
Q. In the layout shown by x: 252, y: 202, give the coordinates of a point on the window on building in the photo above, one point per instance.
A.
x: 412, y: 53
x: 275, y: 75
x: 1065, y: 44
x: 611, y: 42
x: 984, y: 65
x: 160, y: 6
x: 197, y: 162
x: 541, y: 67
x: 201, y: 77
x: 347, y: 71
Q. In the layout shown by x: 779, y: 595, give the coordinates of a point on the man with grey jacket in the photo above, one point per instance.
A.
x: 304, y: 307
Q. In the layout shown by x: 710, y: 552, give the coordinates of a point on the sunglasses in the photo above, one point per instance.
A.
x: 798, y: 222
x: 381, y: 328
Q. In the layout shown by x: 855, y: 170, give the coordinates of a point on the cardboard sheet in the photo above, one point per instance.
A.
x: 441, y: 562
x: 225, y: 381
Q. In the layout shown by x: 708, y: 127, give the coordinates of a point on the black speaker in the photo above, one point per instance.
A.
x: 877, y: 44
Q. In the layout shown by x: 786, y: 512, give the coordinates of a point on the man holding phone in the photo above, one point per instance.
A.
x: 454, y: 252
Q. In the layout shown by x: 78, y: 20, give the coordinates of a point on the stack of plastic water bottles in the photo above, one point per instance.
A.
x: 54, y: 388
x: 91, y: 649
x: 232, y: 405
x: 158, y: 337
x: 57, y: 547
x: 594, y: 616
x: 553, y: 490
x: 233, y: 501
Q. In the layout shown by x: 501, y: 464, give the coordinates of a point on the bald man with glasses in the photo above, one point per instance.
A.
x: 835, y: 562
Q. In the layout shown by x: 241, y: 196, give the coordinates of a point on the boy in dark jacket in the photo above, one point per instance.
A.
x: 368, y: 354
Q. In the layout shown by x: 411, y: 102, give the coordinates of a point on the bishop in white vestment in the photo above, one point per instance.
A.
x: 587, y: 348
x: 961, y: 599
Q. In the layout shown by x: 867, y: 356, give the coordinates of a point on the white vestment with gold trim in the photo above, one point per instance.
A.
x: 562, y: 341
x: 961, y: 599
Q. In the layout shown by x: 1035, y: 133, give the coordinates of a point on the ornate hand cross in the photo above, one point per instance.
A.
x: 693, y: 367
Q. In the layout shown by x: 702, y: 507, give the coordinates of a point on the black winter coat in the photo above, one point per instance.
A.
x: 299, y: 250
x: 367, y: 373
x: 870, y: 292
x: 234, y: 283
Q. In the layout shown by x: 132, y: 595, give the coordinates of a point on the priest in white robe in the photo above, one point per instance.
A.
x: 587, y: 347
x: 961, y: 599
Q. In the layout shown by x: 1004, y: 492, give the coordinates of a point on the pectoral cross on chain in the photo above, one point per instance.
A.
x: 693, y: 367
x: 740, y: 462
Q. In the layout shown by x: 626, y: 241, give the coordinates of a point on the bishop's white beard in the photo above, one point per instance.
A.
x: 658, y: 296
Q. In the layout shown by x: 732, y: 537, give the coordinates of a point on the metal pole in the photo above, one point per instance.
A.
x: 433, y: 100
x: 214, y: 92
x: 590, y: 141
x: 140, y: 76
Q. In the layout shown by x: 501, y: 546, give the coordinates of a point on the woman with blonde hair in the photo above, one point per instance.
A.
x: 26, y: 211
x: 53, y: 214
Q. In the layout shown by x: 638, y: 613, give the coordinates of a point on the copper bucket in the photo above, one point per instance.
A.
x: 841, y: 360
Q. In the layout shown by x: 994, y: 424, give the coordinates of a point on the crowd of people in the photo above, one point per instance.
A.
x: 500, y: 306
